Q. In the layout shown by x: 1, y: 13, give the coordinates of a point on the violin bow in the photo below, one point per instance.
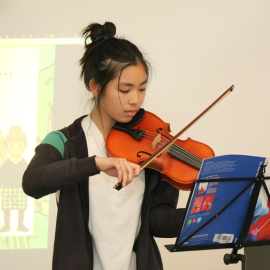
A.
x: 118, y: 186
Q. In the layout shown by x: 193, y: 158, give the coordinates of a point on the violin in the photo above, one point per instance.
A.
x: 146, y: 141
x: 140, y: 138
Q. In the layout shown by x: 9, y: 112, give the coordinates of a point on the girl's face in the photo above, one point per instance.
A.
x: 121, y: 102
x: 16, y: 148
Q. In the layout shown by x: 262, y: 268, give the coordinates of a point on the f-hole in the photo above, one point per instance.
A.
x: 159, y: 129
x: 143, y: 152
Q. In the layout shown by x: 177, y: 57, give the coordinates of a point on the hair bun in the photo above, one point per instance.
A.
x: 109, y: 29
x: 95, y: 30
x: 15, y: 129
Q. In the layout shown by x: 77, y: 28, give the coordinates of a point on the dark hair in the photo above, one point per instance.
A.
x: 106, y: 56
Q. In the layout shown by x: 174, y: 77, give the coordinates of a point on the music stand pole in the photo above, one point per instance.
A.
x: 235, y: 258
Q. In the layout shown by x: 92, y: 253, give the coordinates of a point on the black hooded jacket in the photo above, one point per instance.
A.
x: 50, y: 171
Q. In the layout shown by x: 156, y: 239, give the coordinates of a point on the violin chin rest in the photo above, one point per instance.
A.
x: 138, y: 117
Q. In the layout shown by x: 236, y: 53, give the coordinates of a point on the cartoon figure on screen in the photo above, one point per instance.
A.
x: 11, y: 171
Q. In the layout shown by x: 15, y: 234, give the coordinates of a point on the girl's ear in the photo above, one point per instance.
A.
x: 94, y: 87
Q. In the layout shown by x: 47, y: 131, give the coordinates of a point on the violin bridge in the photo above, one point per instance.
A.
x: 156, y: 141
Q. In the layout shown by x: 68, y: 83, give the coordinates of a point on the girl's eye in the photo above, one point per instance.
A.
x: 124, y: 91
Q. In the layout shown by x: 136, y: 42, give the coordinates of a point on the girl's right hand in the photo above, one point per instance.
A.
x: 124, y: 170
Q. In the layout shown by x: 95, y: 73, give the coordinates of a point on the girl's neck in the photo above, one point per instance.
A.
x: 103, y: 121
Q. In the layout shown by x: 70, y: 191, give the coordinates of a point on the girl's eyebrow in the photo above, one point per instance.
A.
x: 130, y: 84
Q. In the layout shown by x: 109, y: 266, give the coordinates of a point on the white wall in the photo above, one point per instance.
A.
x: 198, y: 49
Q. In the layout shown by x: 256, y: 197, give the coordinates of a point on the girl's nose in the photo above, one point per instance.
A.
x: 135, y: 97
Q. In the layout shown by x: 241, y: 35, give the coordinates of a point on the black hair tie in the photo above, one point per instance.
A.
x: 100, y: 37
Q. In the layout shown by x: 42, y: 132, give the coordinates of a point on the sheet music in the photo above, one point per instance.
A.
x: 210, y: 197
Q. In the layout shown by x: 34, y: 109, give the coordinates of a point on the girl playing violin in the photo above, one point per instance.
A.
x: 98, y: 227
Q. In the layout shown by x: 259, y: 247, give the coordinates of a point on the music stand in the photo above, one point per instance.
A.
x: 215, y: 225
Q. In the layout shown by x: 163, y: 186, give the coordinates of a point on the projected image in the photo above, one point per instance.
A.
x: 26, y: 99
x: 13, y: 197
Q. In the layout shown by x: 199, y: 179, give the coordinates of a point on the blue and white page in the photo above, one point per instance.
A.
x: 209, y: 198
x: 259, y: 229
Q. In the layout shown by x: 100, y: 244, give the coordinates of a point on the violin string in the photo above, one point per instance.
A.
x: 187, y: 159
x: 178, y: 148
x: 176, y: 151
x: 164, y: 140
x: 174, y: 147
